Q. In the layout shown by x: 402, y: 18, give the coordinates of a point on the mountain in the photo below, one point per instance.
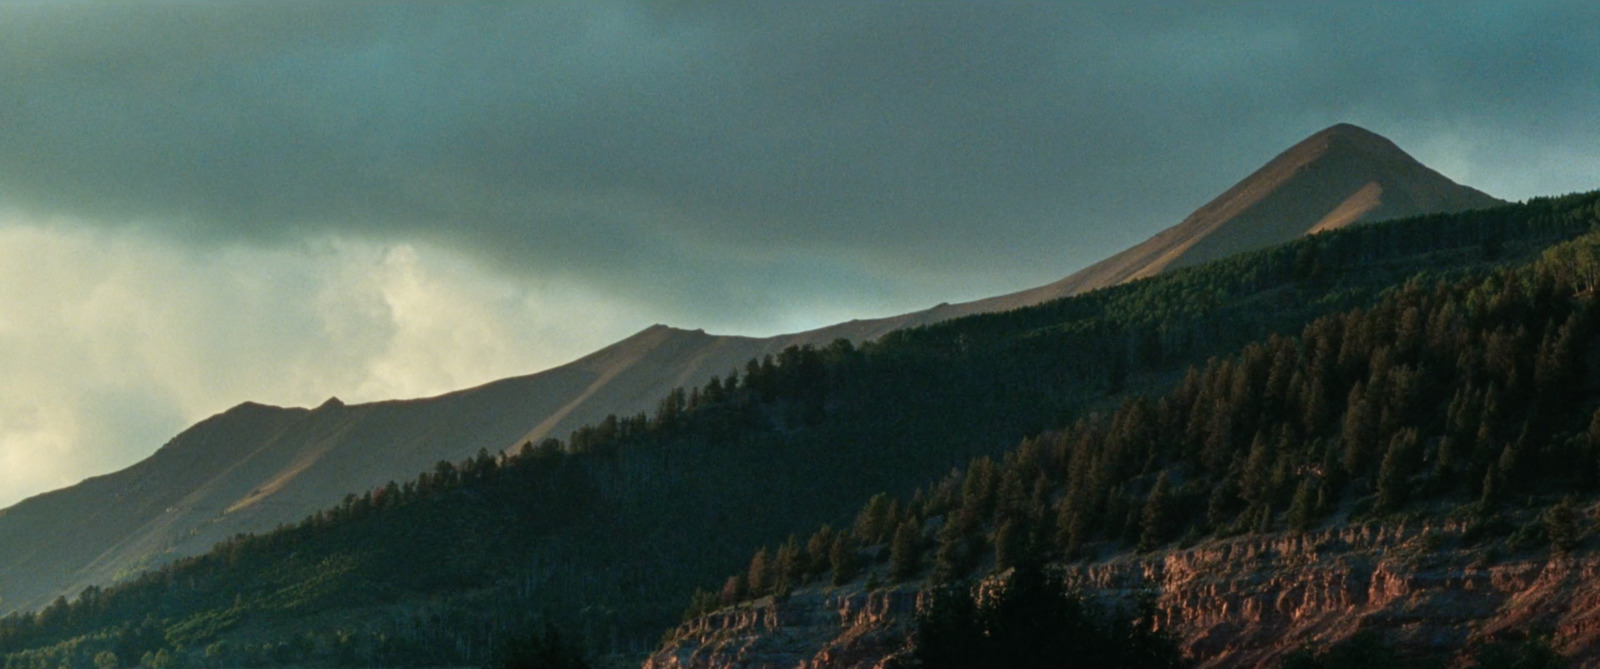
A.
x: 1343, y: 175
x: 608, y: 535
x: 254, y: 467
x: 1416, y: 477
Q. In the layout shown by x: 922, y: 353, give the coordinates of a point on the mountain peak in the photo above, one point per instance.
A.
x: 1347, y: 139
x: 1350, y: 131
x: 1341, y: 175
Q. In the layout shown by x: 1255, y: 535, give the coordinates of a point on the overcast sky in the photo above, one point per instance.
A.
x: 207, y: 203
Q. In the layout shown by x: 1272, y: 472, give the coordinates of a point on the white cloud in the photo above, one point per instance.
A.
x: 113, y: 341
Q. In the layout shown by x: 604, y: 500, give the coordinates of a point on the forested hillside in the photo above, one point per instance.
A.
x: 607, y: 531
x: 1451, y: 395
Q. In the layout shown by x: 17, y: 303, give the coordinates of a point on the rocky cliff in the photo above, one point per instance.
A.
x: 828, y: 627
x: 1426, y: 586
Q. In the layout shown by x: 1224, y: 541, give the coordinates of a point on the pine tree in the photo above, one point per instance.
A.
x: 1359, y: 433
x: 876, y: 520
x: 842, y: 558
x: 1257, y: 470
x: 734, y: 590
x: 1395, y: 473
x: 760, y: 574
x: 1302, y: 509
x: 1561, y: 525
x: 700, y: 603
x: 1509, y: 464
x: 959, y: 545
x: 817, y: 550
x: 1222, y: 506
x: 786, y: 567
x: 1157, y: 516
x: 905, y: 552
x: 1493, y: 488
x: 1010, y: 545
x: 1262, y: 518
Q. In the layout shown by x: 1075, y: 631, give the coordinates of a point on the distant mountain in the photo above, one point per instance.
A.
x: 1341, y: 176
x: 254, y: 467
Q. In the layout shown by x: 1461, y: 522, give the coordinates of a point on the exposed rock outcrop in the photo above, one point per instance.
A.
x: 1241, y: 602
x: 843, y: 627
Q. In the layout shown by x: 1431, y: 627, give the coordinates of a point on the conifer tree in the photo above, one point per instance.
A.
x: 1394, y: 474
x: 876, y: 519
x: 1359, y: 432
x: 1302, y: 509
x: 734, y: 590
x: 1222, y: 506
x: 818, y: 547
x: 959, y: 545
x: 786, y: 572
x: 905, y: 552
x: 700, y: 603
x: 1493, y: 488
x: 760, y: 574
x: 1010, y: 545
x: 1561, y: 525
x: 842, y: 557
x: 1157, y: 516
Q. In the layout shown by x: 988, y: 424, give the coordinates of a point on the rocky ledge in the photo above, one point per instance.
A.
x: 1242, y: 602
x: 829, y: 627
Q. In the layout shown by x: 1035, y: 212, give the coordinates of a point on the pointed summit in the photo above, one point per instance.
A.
x: 1354, y: 137
x: 1340, y: 176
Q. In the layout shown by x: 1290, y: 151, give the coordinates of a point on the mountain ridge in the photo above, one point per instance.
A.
x: 288, y: 463
x: 613, y: 532
x: 1420, y: 190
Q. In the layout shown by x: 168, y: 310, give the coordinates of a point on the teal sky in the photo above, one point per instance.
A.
x: 206, y: 203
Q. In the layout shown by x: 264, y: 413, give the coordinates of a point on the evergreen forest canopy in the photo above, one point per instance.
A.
x: 1342, y: 355
x: 1448, y: 395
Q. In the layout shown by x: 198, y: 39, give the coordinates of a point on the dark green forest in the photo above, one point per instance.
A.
x: 1330, y: 377
x: 1469, y: 394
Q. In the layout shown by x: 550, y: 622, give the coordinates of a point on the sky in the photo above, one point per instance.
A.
x: 211, y: 202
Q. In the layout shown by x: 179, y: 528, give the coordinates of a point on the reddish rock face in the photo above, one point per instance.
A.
x: 1242, y: 602
x: 831, y: 627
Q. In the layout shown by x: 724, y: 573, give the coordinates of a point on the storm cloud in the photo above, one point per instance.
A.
x: 675, y: 146
x: 745, y: 167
